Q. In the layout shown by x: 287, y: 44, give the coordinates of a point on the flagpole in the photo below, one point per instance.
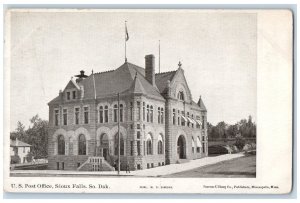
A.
x: 125, y: 37
x: 119, y: 140
x: 159, y: 56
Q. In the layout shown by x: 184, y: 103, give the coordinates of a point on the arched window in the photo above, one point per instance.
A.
x: 106, y: 114
x: 101, y: 114
x: 121, y: 112
x: 116, y: 141
x: 61, y: 145
x: 81, y: 145
x: 180, y: 95
x: 160, y: 149
x: 149, y: 145
x: 115, y: 113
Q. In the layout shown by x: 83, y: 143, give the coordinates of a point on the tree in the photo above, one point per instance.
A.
x: 240, y: 142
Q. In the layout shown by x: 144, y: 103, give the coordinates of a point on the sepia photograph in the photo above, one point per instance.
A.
x: 131, y: 94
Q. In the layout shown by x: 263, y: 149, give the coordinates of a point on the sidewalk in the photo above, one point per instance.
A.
x: 153, y: 172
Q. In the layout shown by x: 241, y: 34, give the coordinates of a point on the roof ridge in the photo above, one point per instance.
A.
x: 107, y: 71
x: 165, y: 72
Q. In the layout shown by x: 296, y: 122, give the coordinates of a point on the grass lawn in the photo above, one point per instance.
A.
x: 243, y: 167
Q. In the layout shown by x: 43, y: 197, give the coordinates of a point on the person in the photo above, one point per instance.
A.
x: 127, y: 167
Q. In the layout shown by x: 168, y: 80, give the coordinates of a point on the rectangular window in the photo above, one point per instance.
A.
x: 158, y: 115
x: 162, y: 115
x: 203, y: 122
x: 56, y: 116
x: 139, y: 111
x: 203, y: 147
x: 148, y: 113
x: 101, y: 114
x: 131, y: 148
x: 86, y: 115
x: 198, y: 149
x: 78, y: 165
x: 174, y: 117
x: 138, y: 134
x: 68, y: 95
x: 63, y: 165
x: 65, y: 116
x: 151, y: 114
x: 192, y: 120
x: 57, y: 165
x: 178, y: 118
x: 121, y: 112
x: 144, y: 111
x: 77, y: 116
x: 182, y: 119
x: 139, y: 147
x: 74, y: 94
x: 144, y: 148
x: 131, y: 111
x: 188, y: 121
x: 138, y: 126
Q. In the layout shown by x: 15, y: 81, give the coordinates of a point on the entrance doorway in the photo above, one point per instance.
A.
x: 104, y: 145
x: 181, y: 147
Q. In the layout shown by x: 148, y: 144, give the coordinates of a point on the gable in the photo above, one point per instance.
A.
x: 179, y: 84
x: 71, y: 85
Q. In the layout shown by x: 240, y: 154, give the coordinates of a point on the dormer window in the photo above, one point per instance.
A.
x: 180, y: 95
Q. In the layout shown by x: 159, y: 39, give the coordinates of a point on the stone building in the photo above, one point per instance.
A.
x: 159, y: 122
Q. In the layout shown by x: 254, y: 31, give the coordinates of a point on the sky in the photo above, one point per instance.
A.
x: 217, y: 51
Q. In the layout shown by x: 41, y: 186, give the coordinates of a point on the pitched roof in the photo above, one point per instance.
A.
x: 161, y: 80
x: 201, y: 104
x: 14, y: 143
x: 117, y: 81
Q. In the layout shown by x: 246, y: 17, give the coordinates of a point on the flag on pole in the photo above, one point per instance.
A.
x: 126, y: 33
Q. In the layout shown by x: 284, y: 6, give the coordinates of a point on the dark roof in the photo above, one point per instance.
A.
x: 117, y: 81
x: 201, y: 104
x: 161, y: 80
x: 19, y: 143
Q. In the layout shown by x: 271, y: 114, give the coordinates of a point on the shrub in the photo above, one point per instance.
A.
x: 15, y: 159
x: 29, y: 157
x: 240, y: 142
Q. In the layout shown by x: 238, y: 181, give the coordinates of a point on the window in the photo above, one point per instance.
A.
x: 174, y: 117
x: 180, y: 95
x: 68, y: 95
x: 61, y: 145
x: 144, y: 111
x: 121, y: 112
x: 151, y: 114
x: 139, y: 147
x: 148, y: 113
x: 65, y: 116
x: 115, y: 113
x: 138, y: 126
x: 81, y: 145
x: 56, y: 116
x: 188, y: 121
x: 131, y: 111
x: 178, y: 118
x: 198, y: 144
x: 77, y: 115
x: 162, y: 115
x: 144, y: 148
x: 158, y: 114
x: 57, y: 165
x: 121, y: 144
x: 62, y: 165
x: 193, y: 121
x: 203, y: 147
x: 197, y: 122
x: 193, y: 145
x: 86, y: 115
x: 138, y: 134
x: 74, y: 94
x: 139, y: 111
x: 101, y: 119
x: 182, y: 119
x: 131, y: 148
x: 203, y: 122
x: 160, y: 145
x: 149, y: 144
x: 106, y: 114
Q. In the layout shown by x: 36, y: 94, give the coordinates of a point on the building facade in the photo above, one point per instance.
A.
x: 159, y: 122
x: 19, y: 149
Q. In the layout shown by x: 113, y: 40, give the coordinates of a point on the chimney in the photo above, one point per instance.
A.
x: 150, y: 68
x: 81, y: 76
